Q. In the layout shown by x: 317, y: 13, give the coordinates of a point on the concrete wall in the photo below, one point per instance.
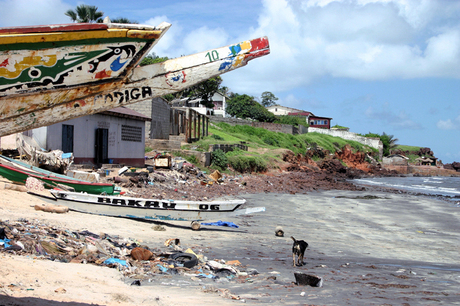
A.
x: 375, y: 143
x: 163, y: 144
x: 159, y: 110
x: 121, y: 151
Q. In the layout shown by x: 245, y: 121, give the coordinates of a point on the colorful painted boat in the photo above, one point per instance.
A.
x: 54, y: 73
x: 16, y: 174
x: 152, y: 209
x: 27, y: 168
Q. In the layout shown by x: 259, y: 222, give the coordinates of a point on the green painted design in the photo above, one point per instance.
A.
x: 41, y: 72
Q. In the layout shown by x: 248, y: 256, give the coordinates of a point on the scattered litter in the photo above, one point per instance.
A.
x: 302, y: 279
x: 158, y: 228
x: 279, y: 231
x: 135, y: 261
x: 221, y: 223
x: 172, y: 242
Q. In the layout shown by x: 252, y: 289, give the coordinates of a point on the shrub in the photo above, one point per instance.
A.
x: 219, y: 159
x: 216, y: 137
x: 247, y: 164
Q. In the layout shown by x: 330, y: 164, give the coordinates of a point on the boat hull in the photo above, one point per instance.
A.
x: 152, y: 209
x: 20, y: 176
x: 47, y: 77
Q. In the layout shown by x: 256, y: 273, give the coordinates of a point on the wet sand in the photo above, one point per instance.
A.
x: 393, y: 249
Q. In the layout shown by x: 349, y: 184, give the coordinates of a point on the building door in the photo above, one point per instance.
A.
x: 67, y: 138
x: 102, y: 146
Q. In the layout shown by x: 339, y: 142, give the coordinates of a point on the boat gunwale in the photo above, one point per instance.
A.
x: 72, y: 27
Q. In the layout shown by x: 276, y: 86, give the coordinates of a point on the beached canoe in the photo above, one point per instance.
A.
x: 152, y: 209
x: 54, y: 73
x: 20, y: 175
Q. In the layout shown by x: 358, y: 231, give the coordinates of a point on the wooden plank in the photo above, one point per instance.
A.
x: 70, y: 27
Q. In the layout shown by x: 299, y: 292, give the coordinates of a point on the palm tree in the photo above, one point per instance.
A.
x: 389, y: 143
x: 85, y: 14
x: 123, y: 20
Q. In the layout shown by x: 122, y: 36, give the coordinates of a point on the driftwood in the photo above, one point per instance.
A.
x: 302, y: 279
x: 59, y: 209
x: 13, y: 187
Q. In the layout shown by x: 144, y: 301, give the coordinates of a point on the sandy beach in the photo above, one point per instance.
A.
x: 369, y: 247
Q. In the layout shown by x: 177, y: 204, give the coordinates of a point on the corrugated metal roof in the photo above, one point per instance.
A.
x: 126, y: 113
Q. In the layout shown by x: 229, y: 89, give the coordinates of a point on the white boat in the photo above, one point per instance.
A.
x: 152, y: 209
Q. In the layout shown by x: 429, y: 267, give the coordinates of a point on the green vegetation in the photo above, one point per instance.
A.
x: 292, y: 120
x: 219, y: 159
x: 85, y: 14
x: 246, y: 107
x: 152, y: 59
x: 388, y: 141
x: 408, y: 148
x: 248, y: 163
x: 265, y: 147
x: 339, y: 127
x: 148, y: 149
x: 268, y: 99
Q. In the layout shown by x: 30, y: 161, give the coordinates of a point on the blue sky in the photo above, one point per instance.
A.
x: 372, y: 65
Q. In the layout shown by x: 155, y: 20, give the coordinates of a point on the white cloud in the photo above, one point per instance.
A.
x: 364, y: 40
x: 399, y: 121
x: 449, y: 124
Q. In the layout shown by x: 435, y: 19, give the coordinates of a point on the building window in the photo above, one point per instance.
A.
x: 131, y: 133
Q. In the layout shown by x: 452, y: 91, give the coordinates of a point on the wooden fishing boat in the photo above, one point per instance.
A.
x: 4, y: 160
x: 54, y: 73
x: 152, y: 209
x: 19, y: 175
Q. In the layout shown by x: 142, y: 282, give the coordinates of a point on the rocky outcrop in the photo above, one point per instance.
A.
x: 353, y: 160
x: 454, y: 166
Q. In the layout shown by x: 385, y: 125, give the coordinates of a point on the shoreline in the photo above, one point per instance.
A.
x: 392, y: 248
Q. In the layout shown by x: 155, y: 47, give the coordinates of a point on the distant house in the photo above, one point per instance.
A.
x: 279, y: 110
x: 310, y: 118
x: 116, y: 136
x: 220, y: 104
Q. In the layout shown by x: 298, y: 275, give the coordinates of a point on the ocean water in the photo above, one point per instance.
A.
x: 431, y: 186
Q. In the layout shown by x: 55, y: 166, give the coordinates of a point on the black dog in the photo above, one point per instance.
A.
x: 298, y: 249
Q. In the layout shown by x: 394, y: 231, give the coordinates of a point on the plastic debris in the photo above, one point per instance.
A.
x: 221, y: 223
x: 115, y: 261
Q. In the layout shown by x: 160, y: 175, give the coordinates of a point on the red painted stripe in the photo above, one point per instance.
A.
x: 259, y: 44
x: 71, y: 27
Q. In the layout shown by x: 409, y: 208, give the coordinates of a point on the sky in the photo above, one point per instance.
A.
x: 375, y: 66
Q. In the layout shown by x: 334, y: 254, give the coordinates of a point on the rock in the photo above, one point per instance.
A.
x: 279, y: 231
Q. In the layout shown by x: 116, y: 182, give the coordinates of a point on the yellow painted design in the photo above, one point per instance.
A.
x: 27, y: 62
x: 77, y: 35
x: 245, y: 47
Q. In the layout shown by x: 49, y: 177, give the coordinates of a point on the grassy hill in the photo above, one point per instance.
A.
x: 266, y: 148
